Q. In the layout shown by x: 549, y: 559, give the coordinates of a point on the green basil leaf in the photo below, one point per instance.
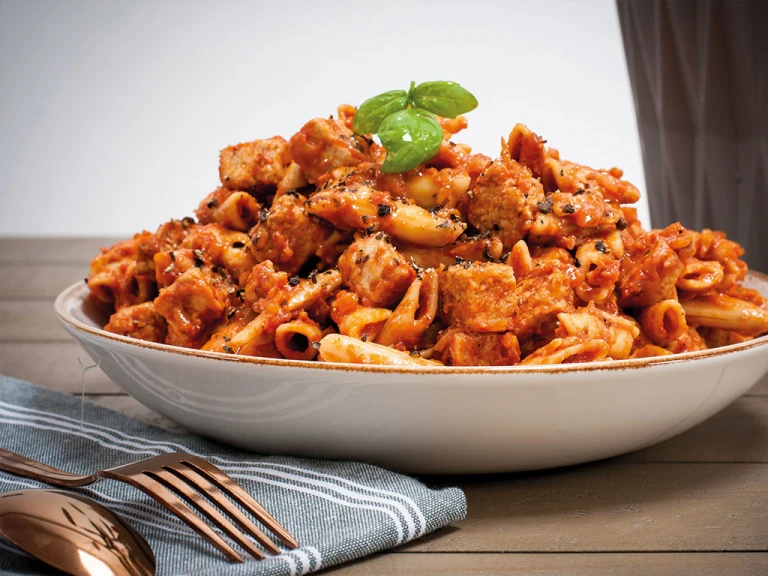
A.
x: 411, y: 136
x: 373, y: 111
x: 447, y: 99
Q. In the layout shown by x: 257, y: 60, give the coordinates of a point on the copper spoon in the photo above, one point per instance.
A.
x: 74, y: 534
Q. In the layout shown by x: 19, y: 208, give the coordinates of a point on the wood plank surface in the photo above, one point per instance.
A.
x: 30, y: 320
x: 655, y: 564
x: 54, y: 249
x: 39, y: 281
x: 611, y: 507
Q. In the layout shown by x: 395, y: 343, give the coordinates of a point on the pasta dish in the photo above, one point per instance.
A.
x: 309, y: 251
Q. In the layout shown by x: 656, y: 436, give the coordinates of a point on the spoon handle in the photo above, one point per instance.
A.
x: 22, y: 466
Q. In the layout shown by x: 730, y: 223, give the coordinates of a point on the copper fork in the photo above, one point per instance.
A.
x: 177, y: 481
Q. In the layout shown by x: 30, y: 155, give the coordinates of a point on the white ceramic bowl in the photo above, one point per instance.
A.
x: 430, y: 420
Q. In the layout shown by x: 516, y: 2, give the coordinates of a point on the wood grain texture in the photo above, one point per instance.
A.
x: 38, y: 282
x: 53, y: 249
x: 610, y: 507
x: 656, y: 564
x: 30, y: 320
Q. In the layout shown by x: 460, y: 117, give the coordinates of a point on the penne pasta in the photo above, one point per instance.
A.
x: 726, y: 312
x: 415, y: 313
x: 567, y: 350
x: 664, y: 322
x: 340, y: 348
x: 296, y: 340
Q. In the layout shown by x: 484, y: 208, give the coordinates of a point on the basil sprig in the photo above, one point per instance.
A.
x: 405, y: 121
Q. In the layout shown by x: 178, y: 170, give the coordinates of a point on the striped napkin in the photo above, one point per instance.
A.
x: 338, y: 511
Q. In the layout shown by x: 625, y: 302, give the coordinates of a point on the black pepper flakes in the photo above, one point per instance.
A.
x: 231, y: 313
x: 313, y: 276
x: 487, y: 253
x: 263, y: 213
x: 227, y: 338
x: 578, y: 191
x: 228, y: 349
x: 459, y: 259
x: 294, y: 280
x: 362, y: 259
x: 445, y: 224
x: 212, y: 204
x: 187, y: 222
x: 364, y: 338
x: 199, y: 261
x: 601, y: 247
x: 545, y: 207
x: 173, y: 256
x: 384, y: 210
x: 568, y: 209
x: 621, y: 224
x: 504, y: 257
x: 370, y: 229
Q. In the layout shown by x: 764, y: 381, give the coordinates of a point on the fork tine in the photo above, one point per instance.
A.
x: 180, y: 487
x: 236, y: 492
x: 164, y: 496
x: 201, y: 483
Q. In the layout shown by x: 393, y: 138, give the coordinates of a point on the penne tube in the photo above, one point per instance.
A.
x: 415, y: 313
x: 570, y: 349
x: 664, y: 322
x: 363, y: 208
x: 364, y: 322
x: 239, y: 211
x: 280, y: 307
x: 340, y: 348
x: 721, y: 311
x: 649, y: 351
x: 295, y: 339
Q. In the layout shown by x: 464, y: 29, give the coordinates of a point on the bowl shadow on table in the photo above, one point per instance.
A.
x: 703, y: 460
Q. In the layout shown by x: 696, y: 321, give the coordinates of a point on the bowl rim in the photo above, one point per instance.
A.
x: 79, y: 290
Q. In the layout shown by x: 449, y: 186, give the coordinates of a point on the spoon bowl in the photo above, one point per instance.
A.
x: 74, y: 534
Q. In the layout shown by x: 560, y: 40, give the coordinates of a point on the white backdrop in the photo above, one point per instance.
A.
x: 112, y: 113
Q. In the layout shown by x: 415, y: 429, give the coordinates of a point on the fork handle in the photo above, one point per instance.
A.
x: 28, y: 468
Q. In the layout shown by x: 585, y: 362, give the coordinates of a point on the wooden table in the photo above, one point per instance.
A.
x: 696, y: 504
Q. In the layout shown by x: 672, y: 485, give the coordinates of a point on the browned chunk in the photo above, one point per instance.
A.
x: 322, y: 146
x: 376, y: 271
x: 257, y: 165
x: 478, y: 296
x: 191, y: 305
x: 541, y: 295
x: 286, y: 234
x: 458, y: 348
x: 139, y: 321
x: 649, y: 273
x: 503, y: 201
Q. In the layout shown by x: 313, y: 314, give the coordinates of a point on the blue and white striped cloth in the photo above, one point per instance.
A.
x: 338, y: 511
